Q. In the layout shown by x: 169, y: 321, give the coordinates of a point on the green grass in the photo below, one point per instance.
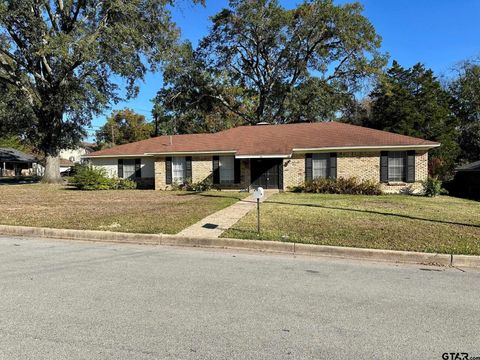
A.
x: 140, y: 211
x: 442, y: 224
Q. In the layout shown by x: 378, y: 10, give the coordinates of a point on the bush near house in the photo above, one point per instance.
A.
x: 200, y: 186
x: 350, y: 186
x: 432, y: 187
x: 88, y: 177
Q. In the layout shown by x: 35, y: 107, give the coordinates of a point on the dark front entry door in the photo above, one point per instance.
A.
x: 266, y: 173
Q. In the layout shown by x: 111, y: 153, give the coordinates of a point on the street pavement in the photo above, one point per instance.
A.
x: 82, y: 300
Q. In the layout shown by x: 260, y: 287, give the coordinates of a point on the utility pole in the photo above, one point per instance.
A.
x: 155, y: 117
x: 113, y: 136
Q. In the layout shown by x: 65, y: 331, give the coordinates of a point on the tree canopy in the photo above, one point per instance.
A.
x: 63, y: 56
x: 413, y: 102
x: 262, y: 62
x: 465, y: 90
x: 123, y: 127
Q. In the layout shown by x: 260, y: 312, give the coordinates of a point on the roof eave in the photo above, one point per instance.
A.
x: 262, y: 156
x: 183, y: 153
x: 367, y: 148
x: 90, y: 156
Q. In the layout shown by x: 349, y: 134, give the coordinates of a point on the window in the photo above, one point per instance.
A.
x: 396, y: 166
x: 178, y: 169
x: 129, y: 168
x: 227, y: 169
x: 320, y: 165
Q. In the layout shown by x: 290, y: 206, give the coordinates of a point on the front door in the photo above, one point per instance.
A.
x: 266, y: 173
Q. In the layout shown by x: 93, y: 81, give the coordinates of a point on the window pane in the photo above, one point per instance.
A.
x: 396, y: 166
x: 320, y: 165
x: 128, y: 169
x: 178, y: 169
x: 227, y: 169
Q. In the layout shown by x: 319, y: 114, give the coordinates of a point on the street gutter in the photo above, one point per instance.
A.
x: 253, y: 245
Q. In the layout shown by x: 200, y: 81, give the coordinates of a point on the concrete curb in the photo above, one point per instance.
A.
x: 375, y: 254
x: 255, y: 245
x: 466, y: 261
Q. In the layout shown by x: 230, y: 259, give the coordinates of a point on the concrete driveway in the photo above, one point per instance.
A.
x: 74, y: 300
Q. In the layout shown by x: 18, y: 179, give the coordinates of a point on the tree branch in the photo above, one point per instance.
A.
x: 51, y: 16
x: 336, y: 71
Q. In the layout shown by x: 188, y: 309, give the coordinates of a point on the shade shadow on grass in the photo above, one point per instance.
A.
x: 375, y: 213
x: 223, y: 196
x: 19, y: 180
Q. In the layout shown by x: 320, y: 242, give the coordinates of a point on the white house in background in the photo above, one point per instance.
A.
x: 71, y: 157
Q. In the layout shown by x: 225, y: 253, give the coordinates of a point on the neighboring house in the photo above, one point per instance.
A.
x: 272, y: 156
x: 16, y: 163
x: 66, y: 165
x: 466, y: 182
x: 70, y: 157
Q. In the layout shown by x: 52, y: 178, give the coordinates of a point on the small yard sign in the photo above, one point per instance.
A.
x: 258, y: 193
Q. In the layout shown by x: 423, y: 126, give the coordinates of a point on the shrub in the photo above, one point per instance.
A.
x: 297, y: 188
x: 125, y: 184
x: 432, y: 187
x: 351, y: 186
x: 200, y: 186
x: 88, y: 177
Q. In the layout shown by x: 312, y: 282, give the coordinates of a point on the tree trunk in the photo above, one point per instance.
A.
x: 52, y: 170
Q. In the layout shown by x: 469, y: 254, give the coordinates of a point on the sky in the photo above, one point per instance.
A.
x: 438, y: 33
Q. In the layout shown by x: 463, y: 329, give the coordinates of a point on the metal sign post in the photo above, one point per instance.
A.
x: 258, y: 216
x: 258, y: 194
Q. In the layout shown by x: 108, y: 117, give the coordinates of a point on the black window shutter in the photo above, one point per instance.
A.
x: 411, y: 166
x: 280, y: 175
x: 168, y: 170
x: 308, y: 167
x: 384, y: 166
x: 332, y: 166
x: 138, y: 168
x: 216, y: 169
x: 188, y: 168
x: 120, y: 168
x: 236, y: 171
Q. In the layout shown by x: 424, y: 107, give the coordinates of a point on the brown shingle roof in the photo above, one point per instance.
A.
x: 268, y: 140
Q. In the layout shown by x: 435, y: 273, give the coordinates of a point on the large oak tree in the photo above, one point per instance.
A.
x: 262, y: 62
x: 63, y: 56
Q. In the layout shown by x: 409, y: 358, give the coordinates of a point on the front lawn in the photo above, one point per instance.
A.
x: 141, y: 211
x: 443, y: 224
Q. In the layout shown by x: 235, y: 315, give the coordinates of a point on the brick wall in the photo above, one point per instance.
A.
x: 421, y: 165
x: 160, y: 176
x: 293, y: 171
x: 362, y: 165
x: 201, y: 170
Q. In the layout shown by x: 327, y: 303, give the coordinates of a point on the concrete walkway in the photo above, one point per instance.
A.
x: 215, y: 224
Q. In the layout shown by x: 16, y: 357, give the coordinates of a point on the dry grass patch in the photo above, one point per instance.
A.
x: 142, y: 211
x: 442, y: 224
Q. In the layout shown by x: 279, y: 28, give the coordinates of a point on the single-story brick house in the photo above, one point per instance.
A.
x: 272, y: 156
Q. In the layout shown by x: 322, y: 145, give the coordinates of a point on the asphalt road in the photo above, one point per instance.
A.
x: 78, y: 300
